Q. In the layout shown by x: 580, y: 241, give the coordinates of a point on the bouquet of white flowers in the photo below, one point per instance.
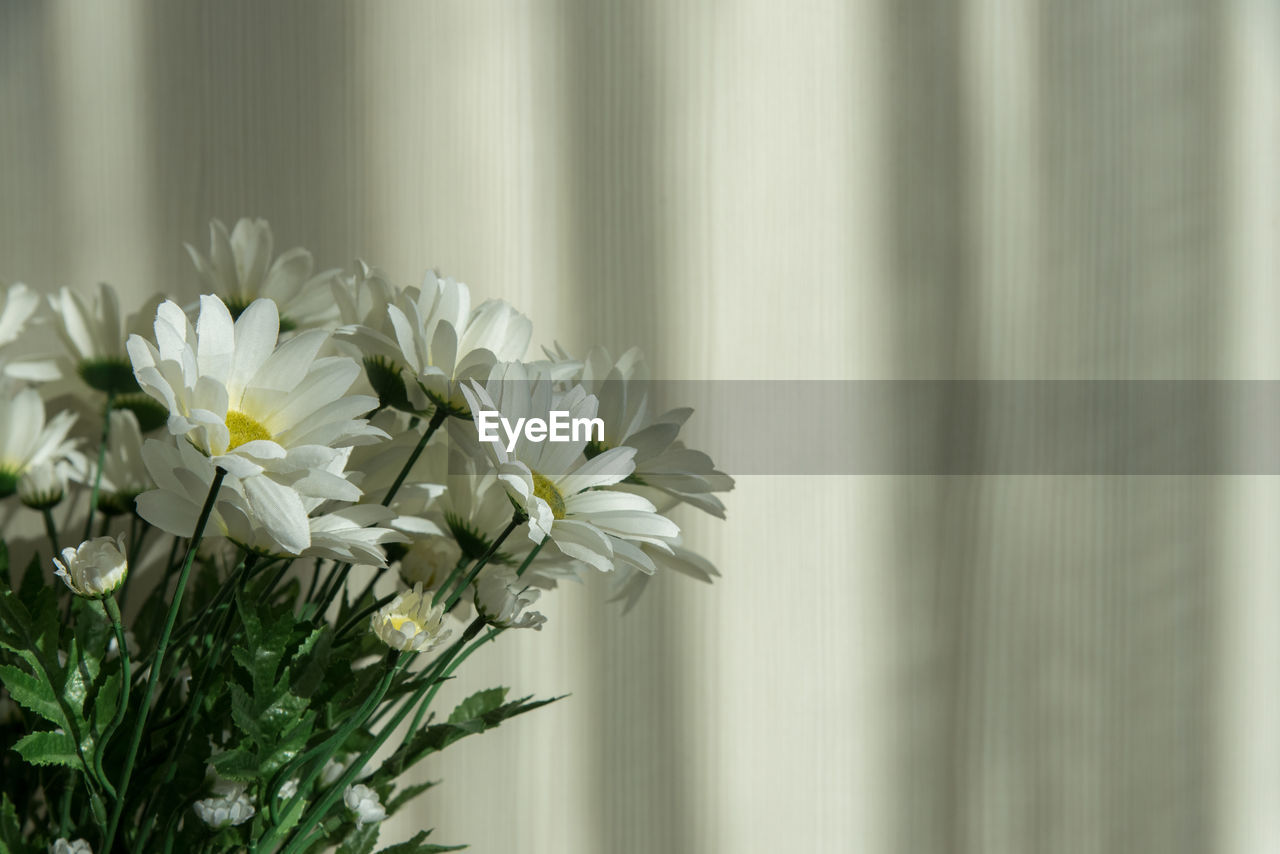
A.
x: 243, y: 455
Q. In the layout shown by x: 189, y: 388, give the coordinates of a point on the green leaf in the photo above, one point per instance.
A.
x: 32, y: 693
x: 49, y: 748
x: 106, y: 703
x: 32, y: 580
x: 10, y: 827
x: 407, y: 794
x: 478, y: 704
x: 361, y: 840
x: 417, y: 845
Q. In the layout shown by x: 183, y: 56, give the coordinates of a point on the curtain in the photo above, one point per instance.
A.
x: 749, y: 191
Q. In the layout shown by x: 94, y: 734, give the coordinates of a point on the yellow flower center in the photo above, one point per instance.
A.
x: 244, y: 429
x: 397, y: 621
x: 546, y: 490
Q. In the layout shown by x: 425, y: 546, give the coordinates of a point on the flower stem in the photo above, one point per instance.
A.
x: 532, y: 554
x: 475, y: 570
x: 113, y: 611
x: 157, y: 663
x: 436, y: 420
x: 317, y: 812
x: 102, y: 460
x: 51, y: 529
x: 396, y: 661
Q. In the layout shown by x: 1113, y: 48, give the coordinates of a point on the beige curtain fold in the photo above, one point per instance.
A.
x: 994, y: 189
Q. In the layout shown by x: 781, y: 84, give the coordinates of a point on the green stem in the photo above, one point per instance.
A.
x: 448, y: 582
x: 493, y: 550
x: 396, y: 661
x: 51, y: 530
x: 317, y: 812
x: 436, y: 420
x: 532, y: 554
x: 157, y: 663
x: 472, y: 630
x: 113, y: 611
x: 102, y: 459
x: 361, y: 614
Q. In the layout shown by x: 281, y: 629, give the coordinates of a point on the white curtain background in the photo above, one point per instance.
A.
x: 988, y: 189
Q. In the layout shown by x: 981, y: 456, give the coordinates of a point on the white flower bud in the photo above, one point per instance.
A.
x: 500, y: 597
x: 42, y: 486
x: 289, y: 788
x: 409, y: 623
x: 74, y: 846
x: 227, y: 810
x: 363, y: 801
x: 96, y: 569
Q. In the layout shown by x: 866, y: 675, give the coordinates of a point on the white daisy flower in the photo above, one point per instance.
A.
x: 70, y: 846
x: 94, y: 569
x: 410, y: 623
x: 552, y: 482
x: 286, y: 515
x: 19, y: 320
x: 500, y: 597
x: 240, y: 269
x: 26, y: 440
x: 93, y: 337
x: 364, y: 803
x: 248, y: 404
x: 435, y: 340
x: 229, y: 809
x: 666, y: 471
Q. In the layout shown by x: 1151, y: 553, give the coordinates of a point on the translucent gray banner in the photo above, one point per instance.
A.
x: 1146, y: 427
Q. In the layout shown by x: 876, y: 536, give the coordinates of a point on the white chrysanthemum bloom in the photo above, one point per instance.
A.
x: 500, y: 597
x: 70, y: 846
x: 435, y: 341
x: 19, y: 324
x: 666, y: 471
x: 241, y: 270
x: 124, y: 474
x: 364, y: 803
x: 93, y: 337
x: 232, y: 807
x: 26, y: 441
x: 43, y: 485
x: 552, y: 482
x: 242, y: 400
x: 288, y: 518
x: 96, y: 568
x: 410, y: 623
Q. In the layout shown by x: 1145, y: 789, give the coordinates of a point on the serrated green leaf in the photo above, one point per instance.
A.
x: 418, y: 845
x: 49, y: 748
x: 106, y: 703
x: 32, y: 579
x: 10, y: 826
x: 478, y: 704
x: 407, y: 794
x: 238, y: 764
x: 32, y: 693
x: 361, y: 840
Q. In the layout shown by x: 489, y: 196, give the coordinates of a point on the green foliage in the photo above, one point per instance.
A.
x: 253, y: 691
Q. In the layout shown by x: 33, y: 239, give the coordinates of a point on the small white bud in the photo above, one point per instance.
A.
x: 42, y: 486
x: 500, y: 597
x: 227, y: 810
x: 363, y: 801
x: 73, y: 846
x: 96, y: 569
